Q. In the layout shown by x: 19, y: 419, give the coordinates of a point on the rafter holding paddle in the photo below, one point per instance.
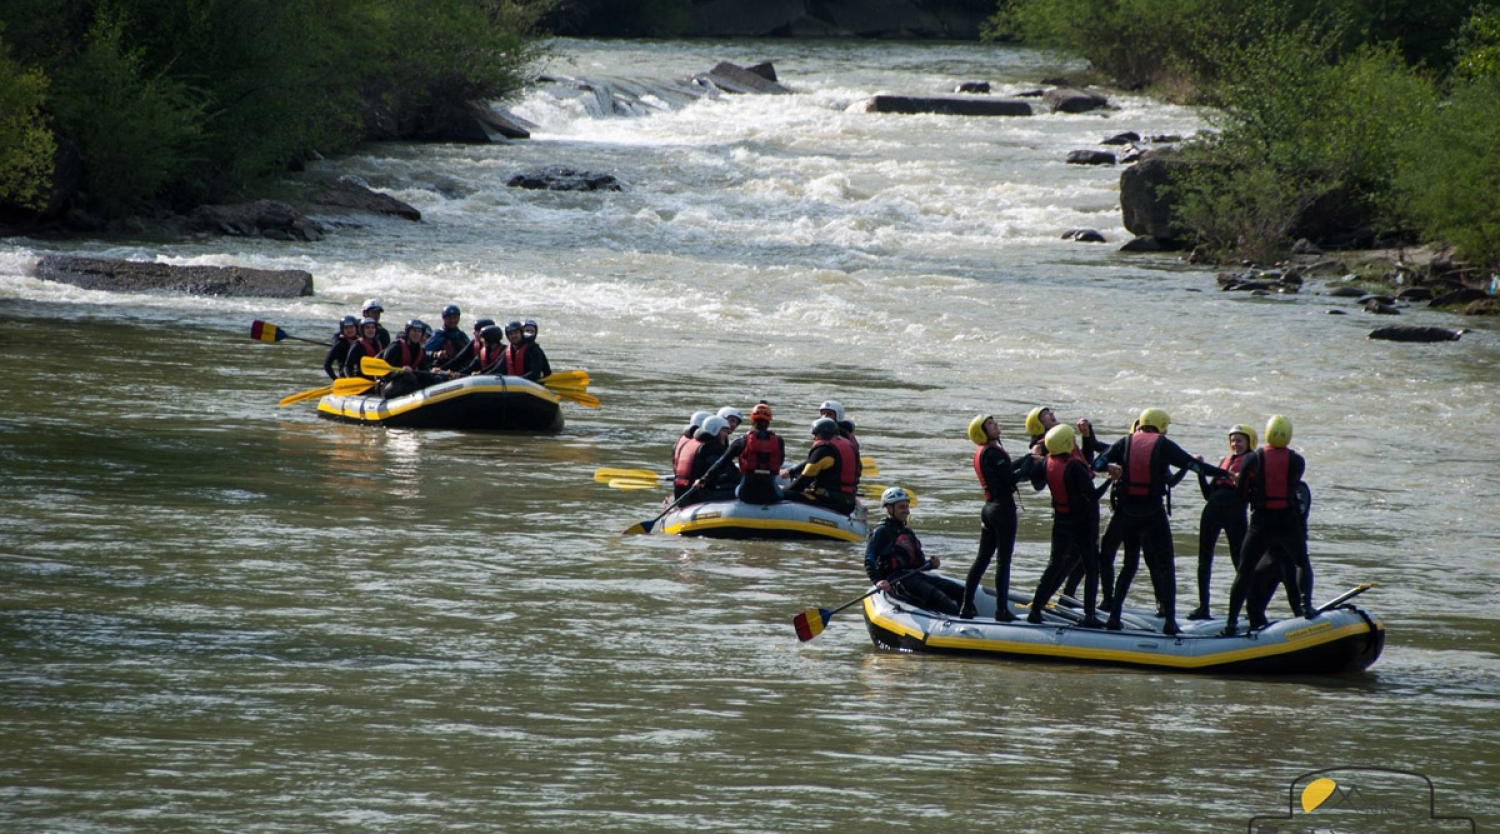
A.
x: 810, y: 623
x: 568, y: 385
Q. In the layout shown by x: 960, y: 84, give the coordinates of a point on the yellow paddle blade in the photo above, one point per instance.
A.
x: 302, y: 396
x: 605, y: 474
x: 588, y: 400
x: 629, y: 484
x: 351, y: 386
x: 566, y: 378
x: 868, y: 466
x: 375, y: 366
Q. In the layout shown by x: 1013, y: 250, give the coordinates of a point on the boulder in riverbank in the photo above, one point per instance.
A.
x: 345, y: 196
x: 143, y: 276
x: 1412, y: 333
x: 1145, y: 200
x: 261, y: 218
x: 1071, y: 100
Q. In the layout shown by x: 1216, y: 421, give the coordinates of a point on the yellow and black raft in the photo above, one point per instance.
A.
x: 507, y: 403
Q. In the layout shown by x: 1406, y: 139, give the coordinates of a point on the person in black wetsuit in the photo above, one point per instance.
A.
x: 333, y: 363
x: 829, y: 477
x: 373, y: 310
x: 529, y: 330
x: 1223, y: 510
x: 683, y: 451
x: 699, y: 457
x: 486, y: 353
x: 759, y: 454
x: 449, y: 341
x: 1075, y: 525
x: 368, y: 344
x: 894, y: 560
x: 458, y: 361
x: 411, y: 361
x: 1268, y: 481
x: 1142, y: 462
x: 520, y: 358
x: 1039, y: 421
x: 997, y: 532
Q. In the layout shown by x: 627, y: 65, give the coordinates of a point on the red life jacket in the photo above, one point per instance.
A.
x: 407, y: 360
x: 1056, y: 466
x: 1138, y: 457
x: 677, y: 450
x: 1273, y: 487
x: 515, y: 360
x: 490, y: 355
x: 978, y: 470
x: 1230, y: 463
x: 682, y: 462
x: 762, y: 454
x: 848, y: 464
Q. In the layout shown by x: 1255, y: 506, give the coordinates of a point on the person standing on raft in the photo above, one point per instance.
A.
x: 1223, y: 511
x: 1075, y: 525
x: 759, y: 454
x: 894, y: 560
x: 1141, y: 462
x: 997, y: 532
x: 1268, y: 481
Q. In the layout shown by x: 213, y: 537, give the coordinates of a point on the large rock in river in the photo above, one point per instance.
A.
x: 144, y: 276
x: 1145, y: 203
x: 1411, y: 333
x: 948, y: 105
x: 262, y: 218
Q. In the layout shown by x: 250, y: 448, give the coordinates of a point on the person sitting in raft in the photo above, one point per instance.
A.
x: 894, y: 560
x: 828, y: 477
x: 1268, y: 481
x: 411, y: 361
x: 1142, y: 462
x: 528, y: 335
x: 997, y: 531
x: 1039, y: 421
x: 450, y: 341
x: 1075, y: 525
x: 735, y: 418
x: 686, y: 441
x: 372, y: 310
x: 759, y: 454
x: 834, y: 410
x: 487, y: 354
x: 333, y: 363
x: 368, y: 344
x: 520, y: 360
x: 698, y: 457
x: 1223, y: 510
x: 462, y: 359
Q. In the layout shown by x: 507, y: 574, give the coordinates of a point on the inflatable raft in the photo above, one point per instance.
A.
x: 1342, y: 638
x: 474, y: 402
x: 782, y: 520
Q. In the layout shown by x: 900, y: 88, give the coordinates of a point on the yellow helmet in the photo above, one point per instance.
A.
x: 976, y: 430
x: 1156, y: 419
x: 1241, y: 428
x: 1278, y: 431
x: 1034, y: 425
x: 1060, y: 439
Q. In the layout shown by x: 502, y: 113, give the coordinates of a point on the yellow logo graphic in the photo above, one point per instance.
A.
x: 1316, y: 793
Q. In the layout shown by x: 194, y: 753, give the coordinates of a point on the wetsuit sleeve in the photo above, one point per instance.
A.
x: 735, y: 448
x: 877, y: 554
x: 1249, y: 471
x: 435, y: 344
x: 459, y: 360
x: 1033, y: 470
x: 1205, y: 485
x: 334, y: 357
x: 821, y: 458
x: 543, y: 367
x: 1114, y: 454
x: 351, y: 361
x: 1081, y: 487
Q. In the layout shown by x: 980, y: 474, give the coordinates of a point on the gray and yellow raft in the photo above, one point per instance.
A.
x: 506, y: 403
x: 781, y: 520
x: 1341, y: 638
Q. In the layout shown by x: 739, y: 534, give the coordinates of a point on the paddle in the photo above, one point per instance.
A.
x: 810, y: 623
x: 350, y: 386
x: 310, y: 394
x: 868, y: 467
x: 264, y: 331
x: 1346, y: 596
x: 604, y: 474
x: 628, y: 484
x: 645, y: 526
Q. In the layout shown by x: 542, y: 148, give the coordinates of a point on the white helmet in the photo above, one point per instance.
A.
x: 893, y: 495
x: 714, y: 425
x: 729, y: 411
x: 372, y: 304
x: 836, y: 407
x: 698, y: 418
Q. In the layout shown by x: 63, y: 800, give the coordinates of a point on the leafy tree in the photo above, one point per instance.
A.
x: 26, y: 143
x: 1450, y: 172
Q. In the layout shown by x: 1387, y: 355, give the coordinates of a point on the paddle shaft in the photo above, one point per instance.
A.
x: 647, y: 525
x: 1345, y: 597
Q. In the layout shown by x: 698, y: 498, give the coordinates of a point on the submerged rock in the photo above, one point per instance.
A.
x: 1411, y: 333
x: 948, y: 105
x: 558, y: 178
x: 1084, y: 235
x: 143, y: 276
x: 1088, y: 157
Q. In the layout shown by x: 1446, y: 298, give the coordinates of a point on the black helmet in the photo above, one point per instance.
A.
x: 451, y: 310
x: 512, y: 326
x: 418, y: 324
x: 348, y: 321
x: 825, y: 428
x: 491, y: 334
x: 481, y: 324
x: 367, y: 320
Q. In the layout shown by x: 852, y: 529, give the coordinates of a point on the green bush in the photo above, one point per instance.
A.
x: 26, y: 143
x: 1450, y: 173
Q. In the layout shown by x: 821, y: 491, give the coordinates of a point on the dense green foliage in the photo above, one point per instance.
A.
x: 194, y: 100
x: 1344, y: 121
x: 26, y: 144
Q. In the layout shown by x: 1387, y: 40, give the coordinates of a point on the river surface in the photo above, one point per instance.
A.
x: 221, y: 615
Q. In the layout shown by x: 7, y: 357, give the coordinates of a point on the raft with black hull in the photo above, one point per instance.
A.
x: 781, y: 520
x: 1344, y: 638
x: 508, y: 403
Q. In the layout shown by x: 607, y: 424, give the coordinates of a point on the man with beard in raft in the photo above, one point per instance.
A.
x: 1268, y: 481
x: 894, y: 559
x: 412, y: 363
x: 759, y: 454
x: 1141, y: 462
x: 1075, y: 525
x: 997, y: 532
x: 1223, y: 511
x: 829, y: 477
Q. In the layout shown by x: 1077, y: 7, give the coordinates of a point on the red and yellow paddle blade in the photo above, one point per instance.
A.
x: 264, y: 331
x: 810, y: 623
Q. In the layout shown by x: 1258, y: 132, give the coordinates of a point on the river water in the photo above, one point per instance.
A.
x: 219, y: 615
